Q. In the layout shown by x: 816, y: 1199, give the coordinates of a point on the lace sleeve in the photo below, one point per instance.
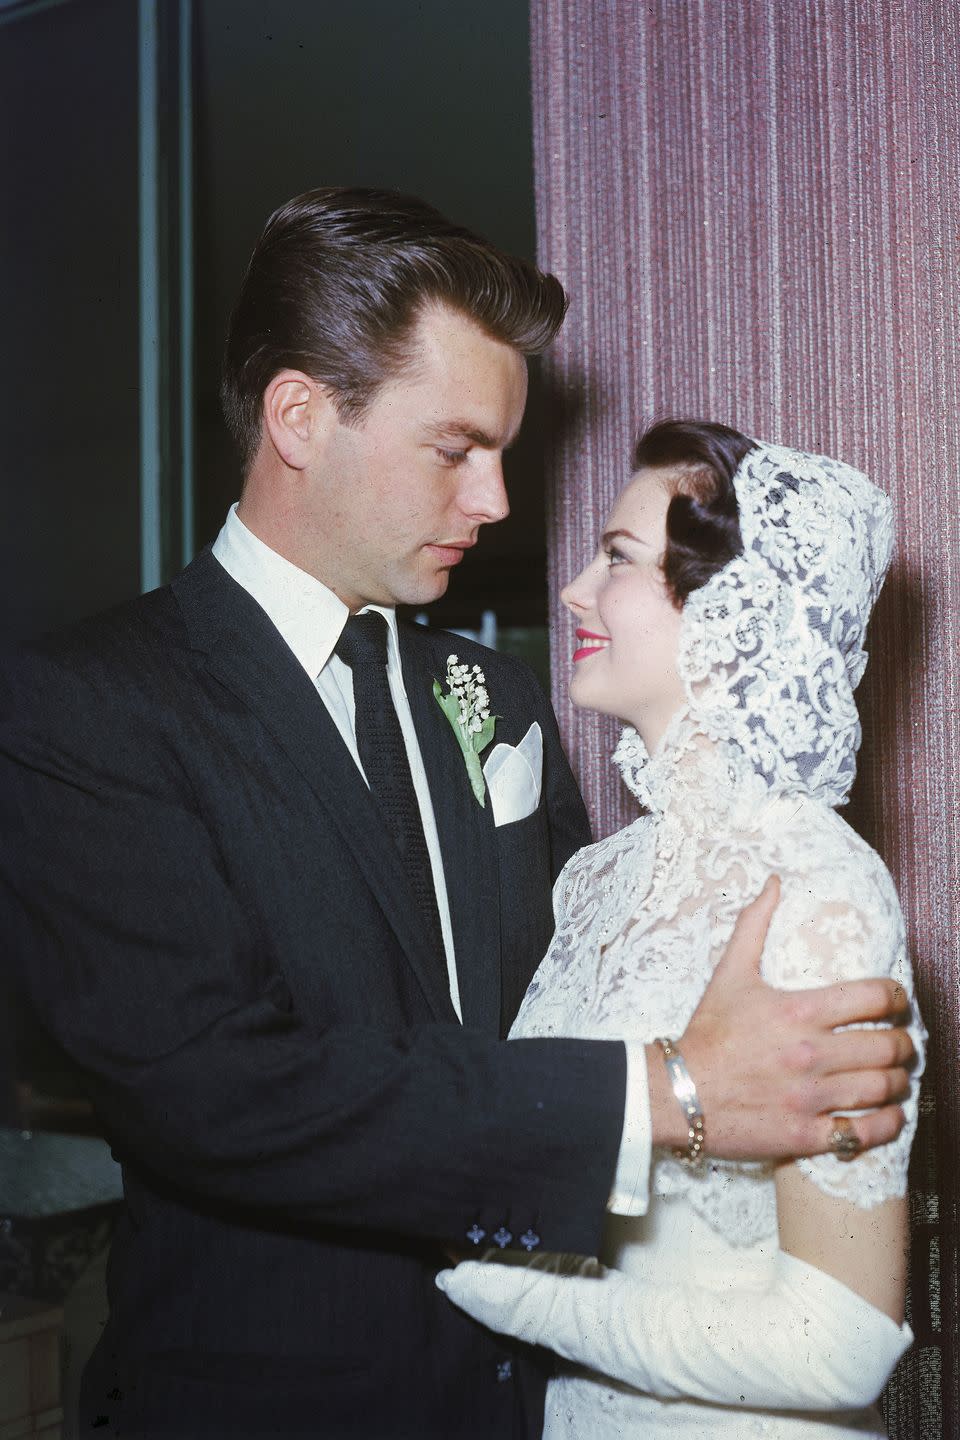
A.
x: 820, y: 935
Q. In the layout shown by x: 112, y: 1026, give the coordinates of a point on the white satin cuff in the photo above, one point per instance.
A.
x: 631, y: 1181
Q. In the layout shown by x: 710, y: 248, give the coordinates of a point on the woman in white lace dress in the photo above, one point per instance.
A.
x: 723, y: 618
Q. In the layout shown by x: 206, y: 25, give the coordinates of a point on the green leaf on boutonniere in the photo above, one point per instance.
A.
x: 466, y: 706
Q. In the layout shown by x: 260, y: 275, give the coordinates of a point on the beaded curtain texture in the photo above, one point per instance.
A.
x: 755, y: 207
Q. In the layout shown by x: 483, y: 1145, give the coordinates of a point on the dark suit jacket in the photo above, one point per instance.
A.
x: 208, y: 914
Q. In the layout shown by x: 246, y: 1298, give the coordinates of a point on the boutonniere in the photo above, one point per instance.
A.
x: 467, y: 706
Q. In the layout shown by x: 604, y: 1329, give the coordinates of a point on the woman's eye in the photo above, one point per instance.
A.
x: 615, y: 557
x: 452, y: 457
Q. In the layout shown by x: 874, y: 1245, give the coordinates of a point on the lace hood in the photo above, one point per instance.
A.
x: 771, y: 648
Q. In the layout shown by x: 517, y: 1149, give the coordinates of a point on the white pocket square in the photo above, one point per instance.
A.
x: 513, y: 775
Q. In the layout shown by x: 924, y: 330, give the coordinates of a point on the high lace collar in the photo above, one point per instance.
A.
x: 697, y: 782
x: 771, y: 648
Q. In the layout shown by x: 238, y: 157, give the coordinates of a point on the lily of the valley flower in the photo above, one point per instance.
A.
x: 466, y: 705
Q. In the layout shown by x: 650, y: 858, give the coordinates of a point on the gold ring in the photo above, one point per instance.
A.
x: 843, y: 1139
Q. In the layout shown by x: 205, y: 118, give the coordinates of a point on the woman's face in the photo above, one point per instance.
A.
x: 628, y: 627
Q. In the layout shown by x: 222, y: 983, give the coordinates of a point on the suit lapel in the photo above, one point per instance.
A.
x: 466, y: 830
x: 247, y: 655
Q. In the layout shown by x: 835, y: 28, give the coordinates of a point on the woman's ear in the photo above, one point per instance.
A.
x: 297, y: 415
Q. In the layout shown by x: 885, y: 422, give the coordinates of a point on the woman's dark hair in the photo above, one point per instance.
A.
x: 703, y: 524
x: 336, y: 284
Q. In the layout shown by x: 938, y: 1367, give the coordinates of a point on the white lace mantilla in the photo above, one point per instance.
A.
x: 742, y: 786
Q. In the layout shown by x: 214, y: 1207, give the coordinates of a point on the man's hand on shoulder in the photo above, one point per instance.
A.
x: 770, y: 1065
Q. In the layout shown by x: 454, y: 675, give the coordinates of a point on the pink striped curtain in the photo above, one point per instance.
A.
x: 755, y: 207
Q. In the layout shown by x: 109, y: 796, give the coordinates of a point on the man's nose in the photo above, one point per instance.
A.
x: 485, y: 496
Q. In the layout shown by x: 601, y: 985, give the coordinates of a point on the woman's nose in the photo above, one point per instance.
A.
x: 577, y: 594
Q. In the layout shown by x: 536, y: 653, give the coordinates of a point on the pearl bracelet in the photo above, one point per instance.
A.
x: 689, y: 1102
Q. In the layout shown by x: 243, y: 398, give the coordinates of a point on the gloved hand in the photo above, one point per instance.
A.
x: 805, y: 1342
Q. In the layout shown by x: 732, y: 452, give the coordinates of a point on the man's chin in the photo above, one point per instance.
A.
x: 426, y: 589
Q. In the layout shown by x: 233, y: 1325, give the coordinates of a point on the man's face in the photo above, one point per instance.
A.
x: 398, y: 497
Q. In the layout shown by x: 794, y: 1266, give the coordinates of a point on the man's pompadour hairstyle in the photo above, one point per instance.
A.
x: 336, y: 284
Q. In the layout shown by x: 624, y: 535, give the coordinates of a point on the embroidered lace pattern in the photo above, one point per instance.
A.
x: 742, y: 785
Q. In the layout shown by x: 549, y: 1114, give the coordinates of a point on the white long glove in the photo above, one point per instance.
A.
x: 805, y: 1342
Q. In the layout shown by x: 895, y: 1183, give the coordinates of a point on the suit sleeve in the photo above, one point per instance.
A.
x: 138, y: 955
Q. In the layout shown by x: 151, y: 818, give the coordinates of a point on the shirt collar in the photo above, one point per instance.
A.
x: 308, y: 615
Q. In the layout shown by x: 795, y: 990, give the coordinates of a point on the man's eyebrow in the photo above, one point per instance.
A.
x: 610, y: 535
x: 464, y: 430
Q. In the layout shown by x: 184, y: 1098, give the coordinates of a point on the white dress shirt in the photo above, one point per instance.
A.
x: 310, y: 619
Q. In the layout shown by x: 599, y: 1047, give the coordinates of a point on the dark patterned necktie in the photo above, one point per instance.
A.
x: 363, y: 647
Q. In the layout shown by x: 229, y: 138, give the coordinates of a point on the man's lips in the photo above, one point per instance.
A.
x: 594, y: 643
x: 450, y: 552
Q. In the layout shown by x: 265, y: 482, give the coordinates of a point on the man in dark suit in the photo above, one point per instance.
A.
x: 252, y: 888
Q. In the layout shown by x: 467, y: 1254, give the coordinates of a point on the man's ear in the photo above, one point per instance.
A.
x: 297, y: 416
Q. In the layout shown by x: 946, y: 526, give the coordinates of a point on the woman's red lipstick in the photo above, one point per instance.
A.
x: 586, y: 650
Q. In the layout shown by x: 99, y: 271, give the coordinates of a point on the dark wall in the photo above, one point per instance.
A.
x: 429, y: 97
x: 69, y: 528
